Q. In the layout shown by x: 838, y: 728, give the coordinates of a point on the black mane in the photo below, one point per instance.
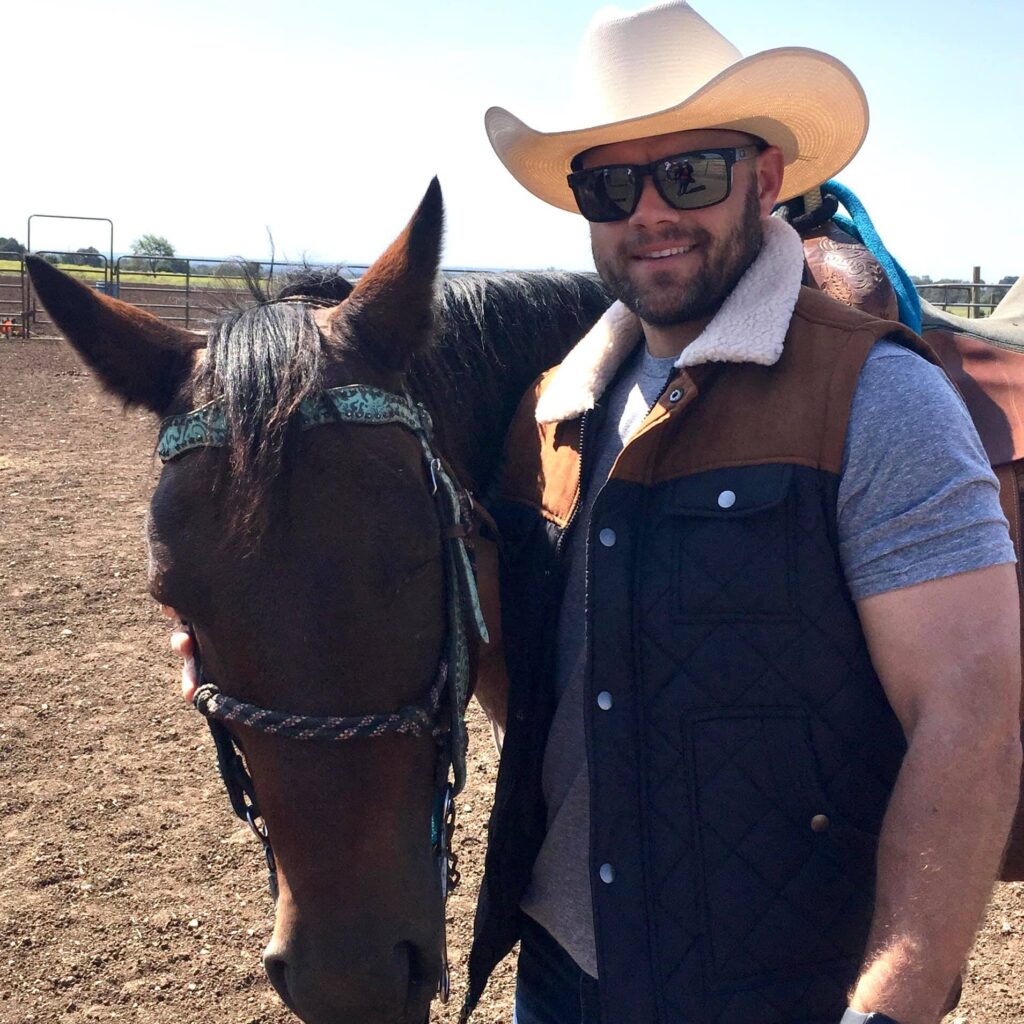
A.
x: 494, y: 333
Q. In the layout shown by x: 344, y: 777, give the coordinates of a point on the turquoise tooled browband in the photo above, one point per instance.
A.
x: 206, y: 427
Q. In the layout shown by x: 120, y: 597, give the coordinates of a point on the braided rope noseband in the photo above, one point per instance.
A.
x: 414, y: 720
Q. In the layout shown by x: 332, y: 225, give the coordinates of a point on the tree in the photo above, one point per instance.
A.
x: 954, y: 295
x: 87, y: 257
x: 1009, y: 279
x: 156, y: 246
x: 11, y: 245
x: 152, y: 245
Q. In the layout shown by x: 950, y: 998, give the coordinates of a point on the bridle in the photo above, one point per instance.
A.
x: 441, y: 713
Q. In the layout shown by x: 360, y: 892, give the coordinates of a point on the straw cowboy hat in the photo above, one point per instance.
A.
x: 665, y: 69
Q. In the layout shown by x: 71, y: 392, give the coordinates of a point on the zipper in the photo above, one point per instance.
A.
x: 585, y: 418
x: 559, y: 544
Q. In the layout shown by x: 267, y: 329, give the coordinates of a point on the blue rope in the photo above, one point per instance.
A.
x: 437, y: 818
x: 864, y: 231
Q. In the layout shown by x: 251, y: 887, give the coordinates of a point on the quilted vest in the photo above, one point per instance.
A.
x: 741, y: 747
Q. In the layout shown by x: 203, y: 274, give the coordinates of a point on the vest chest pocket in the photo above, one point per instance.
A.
x: 727, y: 539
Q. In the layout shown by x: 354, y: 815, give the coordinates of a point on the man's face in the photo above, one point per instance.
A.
x: 671, y: 266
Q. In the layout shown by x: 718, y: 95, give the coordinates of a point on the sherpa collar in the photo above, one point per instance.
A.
x: 750, y: 327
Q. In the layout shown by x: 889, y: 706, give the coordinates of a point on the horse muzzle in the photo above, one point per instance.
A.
x: 358, y: 985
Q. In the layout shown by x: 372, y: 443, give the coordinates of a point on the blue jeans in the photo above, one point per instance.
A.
x: 550, y: 988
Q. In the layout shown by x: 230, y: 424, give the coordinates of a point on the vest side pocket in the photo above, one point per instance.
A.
x: 785, y: 883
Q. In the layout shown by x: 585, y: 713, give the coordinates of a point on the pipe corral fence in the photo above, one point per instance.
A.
x: 975, y: 298
x: 186, y: 294
x: 192, y: 291
x: 188, y: 291
x: 12, y: 302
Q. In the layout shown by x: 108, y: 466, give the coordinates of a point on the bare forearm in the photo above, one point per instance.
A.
x: 941, y: 843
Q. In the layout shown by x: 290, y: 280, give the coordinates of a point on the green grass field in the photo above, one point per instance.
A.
x: 165, y: 280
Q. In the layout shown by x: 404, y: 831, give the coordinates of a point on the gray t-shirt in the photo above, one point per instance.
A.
x: 917, y: 501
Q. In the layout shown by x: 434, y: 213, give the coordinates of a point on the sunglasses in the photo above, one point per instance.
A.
x: 687, y: 181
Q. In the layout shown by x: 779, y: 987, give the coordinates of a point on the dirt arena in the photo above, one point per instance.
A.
x: 128, y: 891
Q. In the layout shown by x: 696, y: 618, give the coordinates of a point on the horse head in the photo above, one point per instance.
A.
x: 311, y: 565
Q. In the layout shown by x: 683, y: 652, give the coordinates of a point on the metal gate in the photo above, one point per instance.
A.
x: 192, y: 291
x: 12, y: 304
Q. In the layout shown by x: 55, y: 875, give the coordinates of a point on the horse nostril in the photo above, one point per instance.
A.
x: 277, y: 971
x: 409, y: 961
x: 406, y: 962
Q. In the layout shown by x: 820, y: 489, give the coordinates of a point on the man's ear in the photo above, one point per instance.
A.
x: 135, y: 355
x: 771, y: 166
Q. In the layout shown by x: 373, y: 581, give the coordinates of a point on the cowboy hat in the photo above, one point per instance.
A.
x: 665, y: 69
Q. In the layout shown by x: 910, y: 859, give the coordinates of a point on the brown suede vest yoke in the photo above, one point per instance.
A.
x: 794, y: 412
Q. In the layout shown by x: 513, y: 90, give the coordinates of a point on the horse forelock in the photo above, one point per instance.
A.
x: 262, y: 361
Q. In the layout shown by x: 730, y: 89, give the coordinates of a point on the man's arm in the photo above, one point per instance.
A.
x: 948, y: 654
x: 491, y: 689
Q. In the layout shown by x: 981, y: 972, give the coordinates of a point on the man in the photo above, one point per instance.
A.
x: 759, y: 603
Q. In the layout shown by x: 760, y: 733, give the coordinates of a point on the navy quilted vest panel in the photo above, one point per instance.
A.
x: 740, y: 776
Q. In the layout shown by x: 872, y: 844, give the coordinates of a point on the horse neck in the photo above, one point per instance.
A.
x: 496, y: 334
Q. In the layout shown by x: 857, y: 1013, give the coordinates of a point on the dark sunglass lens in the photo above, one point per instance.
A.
x: 605, y: 193
x: 694, y: 180
x: 620, y: 188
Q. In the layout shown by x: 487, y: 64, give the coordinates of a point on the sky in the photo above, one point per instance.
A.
x: 222, y: 123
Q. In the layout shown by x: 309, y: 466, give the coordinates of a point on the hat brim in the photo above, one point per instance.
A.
x: 807, y: 103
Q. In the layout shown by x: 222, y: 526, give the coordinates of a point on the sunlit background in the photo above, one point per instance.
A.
x: 214, y: 122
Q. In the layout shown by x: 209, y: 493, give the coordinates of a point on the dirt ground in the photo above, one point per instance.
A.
x: 127, y: 890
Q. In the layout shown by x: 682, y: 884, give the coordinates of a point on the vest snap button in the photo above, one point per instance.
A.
x: 604, y: 700
x: 727, y: 499
x: 820, y: 823
x: 607, y: 537
x: 607, y: 874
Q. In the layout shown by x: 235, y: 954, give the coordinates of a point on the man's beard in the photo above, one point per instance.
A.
x: 723, y: 265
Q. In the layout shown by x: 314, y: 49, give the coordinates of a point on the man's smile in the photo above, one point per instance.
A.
x: 661, y: 254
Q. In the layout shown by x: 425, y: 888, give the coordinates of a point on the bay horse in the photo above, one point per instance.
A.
x: 324, y: 574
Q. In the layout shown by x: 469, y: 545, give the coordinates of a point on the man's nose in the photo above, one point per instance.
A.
x: 652, y: 209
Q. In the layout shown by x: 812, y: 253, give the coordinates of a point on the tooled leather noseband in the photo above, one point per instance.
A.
x: 370, y: 406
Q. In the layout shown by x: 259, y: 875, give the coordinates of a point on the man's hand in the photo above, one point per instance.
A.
x: 948, y: 655
x: 182, y: 646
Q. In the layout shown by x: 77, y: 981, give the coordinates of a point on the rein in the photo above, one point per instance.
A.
x: 207, y: 426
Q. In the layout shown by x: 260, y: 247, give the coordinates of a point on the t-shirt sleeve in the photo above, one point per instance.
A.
x: 917, y: 499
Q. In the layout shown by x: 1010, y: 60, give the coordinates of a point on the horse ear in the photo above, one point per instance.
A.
x: 389, y: 314
x: 136, y: 355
